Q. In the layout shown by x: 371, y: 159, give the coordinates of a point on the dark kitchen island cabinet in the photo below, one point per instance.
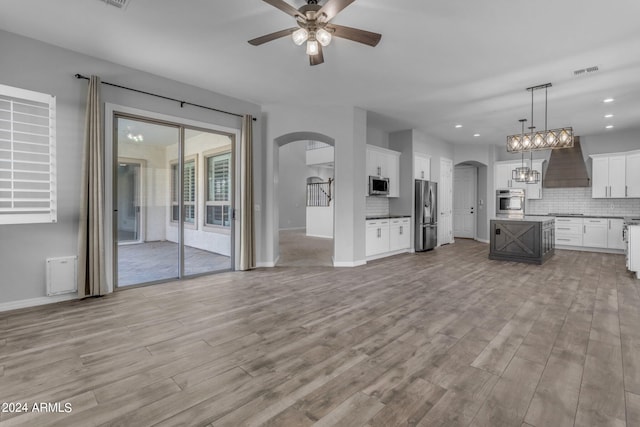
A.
x: 528, y: 239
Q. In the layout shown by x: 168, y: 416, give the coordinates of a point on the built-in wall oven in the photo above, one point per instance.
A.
x: 510, y: 202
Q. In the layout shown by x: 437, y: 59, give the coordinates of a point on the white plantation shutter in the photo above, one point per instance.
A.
x: 27, y: 157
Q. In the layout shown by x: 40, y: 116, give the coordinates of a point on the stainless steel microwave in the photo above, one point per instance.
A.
x: 510, y: 202
x: 378, y: 186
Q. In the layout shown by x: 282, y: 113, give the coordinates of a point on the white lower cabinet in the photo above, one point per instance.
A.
x: 595, y: 233
x: 387, y: 236
x: 569, y: 231
x: 614, y: 234
x: 400, y: 234
x: 377, y: 237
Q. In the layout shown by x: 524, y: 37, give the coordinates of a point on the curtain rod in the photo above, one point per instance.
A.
x: 182, y: 103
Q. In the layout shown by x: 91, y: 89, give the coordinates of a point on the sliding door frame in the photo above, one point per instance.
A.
x: 112, y: 113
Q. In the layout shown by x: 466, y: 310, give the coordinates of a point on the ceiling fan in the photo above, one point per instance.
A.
x: 315, y: 28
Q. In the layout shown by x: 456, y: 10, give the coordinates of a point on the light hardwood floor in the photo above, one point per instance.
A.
x: 443, y: 338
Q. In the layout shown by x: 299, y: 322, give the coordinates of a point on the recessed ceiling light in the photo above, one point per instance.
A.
x: 609, y: 126
x: 476, y: 134
x: 608, y: 116
x: 608, y: 100
x: 458, y: 126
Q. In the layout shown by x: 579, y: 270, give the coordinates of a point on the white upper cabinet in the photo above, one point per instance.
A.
x: 421, y: 167
x: 503, y: 177
x: 384, y: 163
x: 613, y: 174
x: 633, y: 175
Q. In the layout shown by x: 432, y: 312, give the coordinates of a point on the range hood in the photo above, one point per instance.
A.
x: 566, y: 168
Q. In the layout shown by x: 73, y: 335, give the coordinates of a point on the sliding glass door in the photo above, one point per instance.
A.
x: 172, y: 200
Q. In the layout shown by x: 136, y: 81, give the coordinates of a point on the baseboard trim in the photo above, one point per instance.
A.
x: 349, y: 263
x: 292, y: 229
x: 318, y: 235
x: 586, y: 249
x: 268, y: 264
x: 387, y: 254
x: 483, y: 241
x: 33, y: 302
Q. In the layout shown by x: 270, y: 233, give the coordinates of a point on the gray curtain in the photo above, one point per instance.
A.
x: 91, y: 244
x: 247, y: 227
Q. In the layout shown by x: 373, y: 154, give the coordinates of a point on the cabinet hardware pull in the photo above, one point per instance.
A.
x: 565, y: 240
x: 379, y: 233
x: 584, y: 228
x: 401, y: 230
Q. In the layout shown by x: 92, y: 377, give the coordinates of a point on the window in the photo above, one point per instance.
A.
x: 189, y: 184
x: 218, y: 203
x: 27, y: 157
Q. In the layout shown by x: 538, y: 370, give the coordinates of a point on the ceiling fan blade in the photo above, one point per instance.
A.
x: 332, y: 7
x: 317, y: 59
x: 269, y: 37
x: 355, y: 34
x: 286, y: 8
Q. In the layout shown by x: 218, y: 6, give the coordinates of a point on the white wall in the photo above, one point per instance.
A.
x: 292, y: 202
x: 41, y: 67
x: 377, y: 137
x: 347, y: 126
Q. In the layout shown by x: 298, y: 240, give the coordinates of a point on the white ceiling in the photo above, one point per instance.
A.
x: 439, y: 63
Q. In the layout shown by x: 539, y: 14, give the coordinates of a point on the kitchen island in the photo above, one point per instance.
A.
x: 525, y: 239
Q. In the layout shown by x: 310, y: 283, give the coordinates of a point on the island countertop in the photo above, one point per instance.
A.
x: 526, y: 218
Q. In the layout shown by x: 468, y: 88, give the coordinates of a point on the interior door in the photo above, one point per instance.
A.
x: 445, y: 194
x: 464, y: 201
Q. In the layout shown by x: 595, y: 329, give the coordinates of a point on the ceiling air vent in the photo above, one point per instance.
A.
x: 120, y: 4
x: 585, y: 71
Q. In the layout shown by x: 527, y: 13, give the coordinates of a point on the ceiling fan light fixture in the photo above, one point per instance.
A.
x: 312, y: 47
x: 323, y: 36
x: 300, y: 36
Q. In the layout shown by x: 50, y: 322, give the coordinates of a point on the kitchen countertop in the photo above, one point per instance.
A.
x: 526, y: 218
x: 387, y: 216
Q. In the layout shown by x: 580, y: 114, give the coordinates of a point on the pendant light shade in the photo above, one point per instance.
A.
x: 521, y: 174
x: 300, y: 36
x: 312, y: 47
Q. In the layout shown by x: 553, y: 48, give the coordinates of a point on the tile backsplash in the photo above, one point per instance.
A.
x: 578, y: 200
x: 377, y: 206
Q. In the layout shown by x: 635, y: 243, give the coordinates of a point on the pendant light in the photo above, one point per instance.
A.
x: 521, y: 174
x: 541, y: 140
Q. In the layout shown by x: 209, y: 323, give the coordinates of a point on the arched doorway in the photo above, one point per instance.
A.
x: 304, y: 208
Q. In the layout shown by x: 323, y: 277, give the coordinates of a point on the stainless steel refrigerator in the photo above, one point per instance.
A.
x: 426, y: 215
